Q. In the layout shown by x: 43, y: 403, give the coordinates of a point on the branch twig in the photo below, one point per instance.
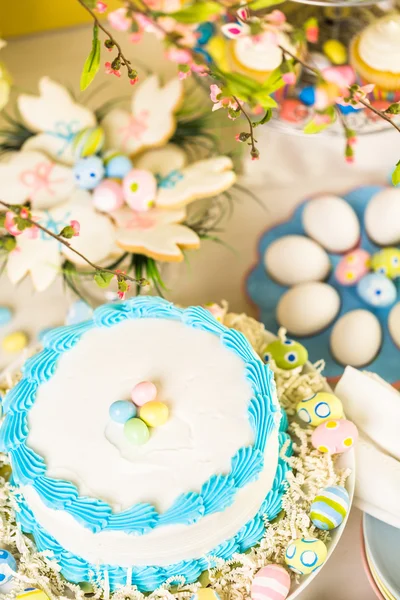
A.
x: 251, y: 128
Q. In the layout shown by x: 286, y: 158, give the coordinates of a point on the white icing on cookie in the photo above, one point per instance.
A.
x: 261, y: 53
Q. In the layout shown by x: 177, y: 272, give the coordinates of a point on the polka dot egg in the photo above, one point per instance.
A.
x: 205, y: 594
x: 287, y: 354
x: 7, y: 566
x: 387, y: 262
x: 352, y: 267
x: 32, y: 594
x: 303, y: 556
x: 88, y: 172
x: 335, y: 437
x: 377, y: 290
x: 88, y: 141
x: 271, y: 583
x: 319, y: 408
x: 140, y: 189
x: 330, y: 507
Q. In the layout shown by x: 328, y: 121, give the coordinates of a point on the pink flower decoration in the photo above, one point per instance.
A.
x: 360, y: 94
x: 219, y: 100
x: 342, y: 76
x: 10, y: 225
x: 237, y: 137
x: 111, y: 71
x: 136, y: 37
x: 179, y: 55
x: 76, y: 227
x: 134, y: 81
x: 24, y: 213
x: 183, y: 75
x: 118, y: 19
x: 276, y: 17
x: 289, y: 78
x: 101, y: 7
x: 350, y: 159
x: 121, y: 295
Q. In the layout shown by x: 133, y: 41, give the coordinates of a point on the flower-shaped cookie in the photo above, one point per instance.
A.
x: 56, y: 118
x: 41, y: 255
x: 151, y: 121
x: 331, y: 274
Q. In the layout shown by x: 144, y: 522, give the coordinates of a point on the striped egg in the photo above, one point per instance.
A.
x: 305, y: 555
x: 319, y: 408
x: 32, y: 594
x: 271, y: 583
x: 330, y: 507
x: 205, y: 594
x: 88, y: 141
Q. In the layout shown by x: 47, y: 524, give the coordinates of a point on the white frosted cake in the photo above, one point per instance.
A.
x: 138, y: 494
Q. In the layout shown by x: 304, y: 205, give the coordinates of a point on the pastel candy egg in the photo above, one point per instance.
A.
x: 108, y: 196
x: 117, y: 165
x: 335, y: 51
x: 14, y: 342
x: 32, y: 594
x: 319, y: 408
x: 377, y: 290
x: 122, y: 410
x: 303, y: 556
x: 287, y: 354
x: 330, y: 507
x: 7, y: 566
x: 143, y: 392
x: 335, y: 436
x: 5, y: 315
x: 271, y: 583
x: 154, y: 413
x: 387, y: 262
x: 78, y: 312
x: 136, y: 431
x: 88, y: 172
x: 140, y: 189
x: 205, y: 594
x: 88, y: 141
x: 352, y: 267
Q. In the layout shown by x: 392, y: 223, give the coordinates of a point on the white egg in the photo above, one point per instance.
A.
x: 394, y: 324
x: 382, y: 217
x: 294, y: 259
x: 332, y: 222
x: 356, y: 338
x: 308, y: 308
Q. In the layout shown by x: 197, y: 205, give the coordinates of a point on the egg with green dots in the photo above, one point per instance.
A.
x: 305, y: 555
x: 287, y: 354
x: 319, y: 408
x: 330, y: 507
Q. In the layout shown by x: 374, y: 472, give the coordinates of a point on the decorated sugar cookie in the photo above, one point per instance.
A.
x: 33, y: 176
x: 156, y: 233
x: 162, y: 161
x: 56, y: 118
x: 151, y: 121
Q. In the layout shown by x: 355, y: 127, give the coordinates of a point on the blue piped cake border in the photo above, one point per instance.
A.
x: 215, y: 495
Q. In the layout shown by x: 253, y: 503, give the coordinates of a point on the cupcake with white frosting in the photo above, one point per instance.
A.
x: 375, y: 56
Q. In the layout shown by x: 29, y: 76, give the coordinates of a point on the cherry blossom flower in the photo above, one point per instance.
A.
x: 356, y: 95
x: 101, y: 7
x: 10, y: 225
x: 289, y: 78
x: 76, y: 227
x: 111, y: 71
x: 118, y: 19
x: 219, y: 100
x: 276, y: 17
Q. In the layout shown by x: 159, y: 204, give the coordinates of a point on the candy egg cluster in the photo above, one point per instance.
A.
x: 305, y: 555
x: 330, y: 507
x: 287, y: 354
x: 140, y: 413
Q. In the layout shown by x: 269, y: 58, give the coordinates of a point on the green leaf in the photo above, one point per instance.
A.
x: 267, y: 117
x: 396, y: 174
x: 197, y: 12
x: 260, y: 4
x: 265, y: 100
x: 92, y: 63
x: 103, y: 279
x: 312, y: 127
x: 275, y: 81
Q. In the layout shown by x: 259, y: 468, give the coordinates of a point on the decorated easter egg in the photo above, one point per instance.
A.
x: 7, y: 566
x: 32, y: 594
x: 293, y: 111
x: 356, y: 338
x: 387, y: 262
x: 88, y: 141
x: 78, y: 312
x: 305, y: 555
x: 143, y: 392
x: 308, y: 308
x: 206, y: 593
x: 88, y: 172
x: 352, y: 267
x: 334, y: 436
x: 136, y: 431
x: 331, y: 222
x: 294, y: 259
x: 330, y: 507
x: 5, y: 315
x: 377, y: 290
x: 287, y: 354
x: 335, y: 51
x: 122, y: 410
x: 382, y: 217
x: 108, y: 196
x: 319, y: 408
x: 394, y: 324
x: 140, y: 189
x: 270, y: 583
x: 15, y: 342
x: 307, y: 95
x: 217, y: 311
x: 154, y: 413
x: 117, y: 165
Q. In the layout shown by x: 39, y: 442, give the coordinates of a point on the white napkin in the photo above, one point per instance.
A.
x: 374, y: 406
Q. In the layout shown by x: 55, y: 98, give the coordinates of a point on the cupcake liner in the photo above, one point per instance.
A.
x: 387, y: 85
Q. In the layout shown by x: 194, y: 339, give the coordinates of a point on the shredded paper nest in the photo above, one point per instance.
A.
x: 231, y: 579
